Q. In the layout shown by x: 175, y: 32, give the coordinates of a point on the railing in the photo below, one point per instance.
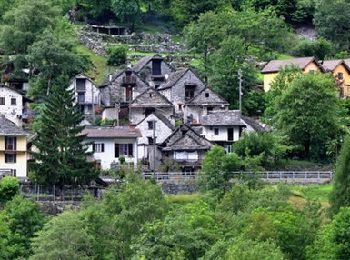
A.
x: 7, y: 172
x: 270, y: 176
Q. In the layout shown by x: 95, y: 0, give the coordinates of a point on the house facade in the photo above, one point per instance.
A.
x: 341, y: 73
x: 154, y: 129
x: 271, y: 69
x: 202, y: 104
x: 13, y: 149
x: 153, y: 69
x: 186, y: 148
x: 223, y: 127
x: 149, y: 102
x: 87, y: 95
x: 12, y: 104
x: 181, y: 87
x: 111, y: 145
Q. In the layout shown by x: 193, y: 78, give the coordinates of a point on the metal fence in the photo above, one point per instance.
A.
x: 270, y: 176
x: 58, y: 193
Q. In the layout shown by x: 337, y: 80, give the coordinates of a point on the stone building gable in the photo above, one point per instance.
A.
x: 151, y: 98
x: 113, y: 91
x: 207, y: 97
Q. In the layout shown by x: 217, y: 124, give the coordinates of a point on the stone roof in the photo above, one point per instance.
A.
x: 143, y: 62
x: 185, y: 138
x: 207, y: 97
x: 277, y: 65
x: 223, y: 118
x: 162, y: 118
x: 255, y: 124
x: 9, y: 128
x: 111, y: 132
x: 151, y: 98
x: 173, y: 79
x: 330, y: 65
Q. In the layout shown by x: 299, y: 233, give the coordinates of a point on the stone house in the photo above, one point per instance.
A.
x: 186, y: 148
x: 181, y: 87
x: 13, y: 149
x: 147, y: 103
x: 202, y: 104
x: 119, y: 91
x: 153, y: 69
x: 110, y: 143
x: 154, y: 128
x: 223, y: 127
x: 87, y: 95
x: 271, y: 69
x: 13, y: 104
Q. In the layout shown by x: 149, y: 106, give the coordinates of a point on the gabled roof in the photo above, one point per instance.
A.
x: 207, y: 97
x: 223, y: 118
x: 82, y: 76
x: 144, y: 61
x: 150, y: 98
x: 330, y: 65
x: 8, y: 128
x: 277, y: 65
x: 255, y: 124
x: 162, y: 118
x: 175, y: 77
x: 111, y: 132
x: 185, y: 138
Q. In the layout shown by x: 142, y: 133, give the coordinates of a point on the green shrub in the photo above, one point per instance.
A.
x: 117, y: 55
x: 9, y: 187
x: 321, y: 48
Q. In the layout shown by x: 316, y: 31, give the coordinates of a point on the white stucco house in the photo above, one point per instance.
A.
x: 12, y: 104
x: 154, y: 129
x: 87, y: 95
x: 110, y: 143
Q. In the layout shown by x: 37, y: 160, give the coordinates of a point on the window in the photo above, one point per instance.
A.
x: 209, y: 109
x: 189, y: 91
x: 216, y: 131
x: 340, y: 76
x: 80, y: 85
x: 186, y: 156
x: 10, y: 143
x: 10, y: 158
x: 228, y: 148
x: 13, y: 101
x: 2, y: 101
x: 180, y: 107
x: 207, y: 95
x: 123, y: 150
x: 99, y: 148
x: 156, y: 67
x: 81, y: 97
x: 150, y: 125
x: 150, y: 140
x: 149, y: 110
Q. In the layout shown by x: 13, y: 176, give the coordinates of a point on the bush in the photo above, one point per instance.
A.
x: 321, y: 48
x: 117, y: 55
x: 9, y: 187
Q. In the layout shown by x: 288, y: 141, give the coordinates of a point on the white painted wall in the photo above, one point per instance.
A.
x: 209, y: 133
x: 108, y: 156
x: 12, y: 112
x: 162, y: 131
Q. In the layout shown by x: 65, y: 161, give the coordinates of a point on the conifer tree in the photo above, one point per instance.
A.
x: 61, y: 155
x: 340, y: 196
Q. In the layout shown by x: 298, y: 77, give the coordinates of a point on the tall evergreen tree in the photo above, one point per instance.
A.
x: 340, y: 196
x: 61, y: 155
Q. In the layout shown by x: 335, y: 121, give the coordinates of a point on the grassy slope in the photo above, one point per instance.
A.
x: 100, y: 69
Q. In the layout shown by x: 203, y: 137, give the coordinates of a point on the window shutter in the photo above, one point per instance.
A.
x: 130, y: 149
x: 102, y: 148
x: 93, y: 147
x: 116, y: 150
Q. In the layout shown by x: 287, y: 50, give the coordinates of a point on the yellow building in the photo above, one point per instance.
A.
x: 272, y: 68
x: 13, y: 149
x: 341, y: 72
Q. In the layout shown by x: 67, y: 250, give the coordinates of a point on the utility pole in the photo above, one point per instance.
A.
x: 93, y: 104
x: 117, y: 108
x: 154, y: 147
x: 240, y: 90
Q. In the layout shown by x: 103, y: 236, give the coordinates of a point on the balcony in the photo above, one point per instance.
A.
x: 129, y: 80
